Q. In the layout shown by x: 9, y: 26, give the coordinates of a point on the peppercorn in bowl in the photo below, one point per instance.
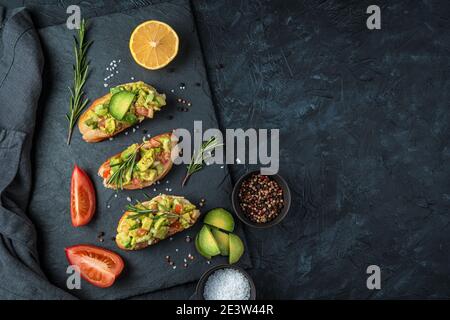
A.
x: 261, y: 201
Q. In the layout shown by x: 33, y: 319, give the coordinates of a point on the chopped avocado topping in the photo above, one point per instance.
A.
x: 161, y: 100
x: 165, y: 142
x: 147, y: 223
x: 120, y: 104
x: 116, y: 89
x: 91, y: 123
x: 128, y: 151
x: 161, y: 233
x: 159, y: 169
x: 115, y: 161
x: 148, y: 226
x: 124, y: 239
x: 145, y: 162
x: 101, y: 110
x: 148, y: 175
x: 149, y: 97
x: 124, y: 105
x: 130, y: 118
x: 110, y: 126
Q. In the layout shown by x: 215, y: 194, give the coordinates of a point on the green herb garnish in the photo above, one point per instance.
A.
x: 80, y: 69
x: 199, y: 157
x: 140, y: 210
x: 124, y: 170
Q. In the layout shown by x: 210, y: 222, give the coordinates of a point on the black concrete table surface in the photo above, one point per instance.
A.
x: 364, y: 139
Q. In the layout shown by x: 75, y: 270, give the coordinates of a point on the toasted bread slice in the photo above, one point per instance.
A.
x: 105, y: 169
x: 174, y: 226
x: 90, y: 134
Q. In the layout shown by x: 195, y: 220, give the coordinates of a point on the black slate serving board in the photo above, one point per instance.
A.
x: 146, y: 270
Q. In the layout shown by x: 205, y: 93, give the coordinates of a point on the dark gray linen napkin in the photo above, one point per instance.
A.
x: 20, y: 85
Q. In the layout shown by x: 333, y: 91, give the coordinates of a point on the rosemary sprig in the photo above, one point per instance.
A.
x: 124, y: 169
x: 199, y: 157
x: 80, y: 69
x: 137, y: 209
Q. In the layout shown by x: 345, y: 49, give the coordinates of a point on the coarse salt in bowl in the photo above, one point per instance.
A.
x: 226, y: 282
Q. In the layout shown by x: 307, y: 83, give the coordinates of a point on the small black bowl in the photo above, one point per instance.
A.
x: 201, y: 283
x: 241, y: 214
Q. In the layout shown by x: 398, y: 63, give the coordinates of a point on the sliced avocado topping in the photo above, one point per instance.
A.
x: 120, y: 104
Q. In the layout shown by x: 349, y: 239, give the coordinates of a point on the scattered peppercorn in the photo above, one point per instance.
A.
x: 198, y: 84
x: 261, y: 198
x: 188, y: 239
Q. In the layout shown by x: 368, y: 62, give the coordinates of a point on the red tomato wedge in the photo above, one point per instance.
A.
x: 82, y: 198
x: 99, y: 266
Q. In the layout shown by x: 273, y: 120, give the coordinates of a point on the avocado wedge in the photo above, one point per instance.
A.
x: 197, y: 246
x: 120, y: 104
x: 236, y: 248
x: 220, y: 218
x: 222, y: 241
x: 207, y: 243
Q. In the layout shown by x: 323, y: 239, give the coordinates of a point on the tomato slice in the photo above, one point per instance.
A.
x: 82, y: 198
x: 99, y: 266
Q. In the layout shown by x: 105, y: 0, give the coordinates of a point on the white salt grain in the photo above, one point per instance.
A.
x: 128, y: 199
x: 227, y: 284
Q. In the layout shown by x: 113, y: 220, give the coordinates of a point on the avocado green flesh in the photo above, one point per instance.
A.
x: 236, y: 248
x: 220, y: 218
x: 207, y: 243
x: 120, y: 104
x: 197, y: 246
x: 222, y: 241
